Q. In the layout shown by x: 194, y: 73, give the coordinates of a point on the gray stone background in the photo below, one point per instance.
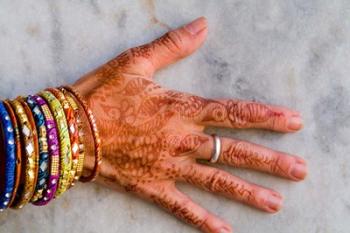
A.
x: 293, y: 53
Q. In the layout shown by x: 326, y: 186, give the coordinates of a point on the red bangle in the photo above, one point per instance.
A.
x: 95, y: 134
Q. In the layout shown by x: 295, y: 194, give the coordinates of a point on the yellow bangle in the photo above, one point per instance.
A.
x: 65, y: 145
x: 73, y: 131
x: 29, y: 134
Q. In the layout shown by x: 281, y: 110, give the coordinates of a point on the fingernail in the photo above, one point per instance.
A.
x: 295, y: 123
x: 196, y: 26
x: 274, y: 202
x: 224, y: 231
x: 299, y: 171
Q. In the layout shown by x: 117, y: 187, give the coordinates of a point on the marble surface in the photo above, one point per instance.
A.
x: 293, y: 53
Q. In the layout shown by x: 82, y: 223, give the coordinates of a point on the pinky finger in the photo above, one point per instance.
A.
x: 170, y: 198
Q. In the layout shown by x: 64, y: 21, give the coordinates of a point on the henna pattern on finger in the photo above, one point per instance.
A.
x: 181, y: 145
x: 186, y: 105
x: 219, y: 182
x: 216, y: 113
x: 240, y: 154
x: 177, y: 206
x: 242, y: 113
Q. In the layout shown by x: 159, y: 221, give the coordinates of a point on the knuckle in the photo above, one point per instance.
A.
x: 141, y: 51
x: 241, y: 114
x: 276, y: 163
x: 204, y: 221
x: 174, y: 42
x: 215, y: 180
x: 255, y: 112
x: 133, y: 60
x: 258, y: 196
x: 282, y: 164
x: 185, y: 210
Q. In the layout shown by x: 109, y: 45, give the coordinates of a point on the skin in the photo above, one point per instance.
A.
x: 152, y: 137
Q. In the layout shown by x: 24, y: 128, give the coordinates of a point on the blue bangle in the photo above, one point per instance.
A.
x: 43, y: 149
x: 10, y: 157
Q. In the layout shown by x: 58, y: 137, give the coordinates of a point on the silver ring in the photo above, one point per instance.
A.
x: 217, y: 149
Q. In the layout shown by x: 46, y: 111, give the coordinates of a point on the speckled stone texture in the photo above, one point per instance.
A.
x: 294, y: 53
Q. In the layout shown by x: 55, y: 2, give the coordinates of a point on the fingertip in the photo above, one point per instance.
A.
x: 295, y: 123
x: 285, y: 120
x: 274, y: 202
x: 269, y: 201
x: 215, y: 224
x: 226, y: 229
x: 299, y: 170
x: 196, y: 26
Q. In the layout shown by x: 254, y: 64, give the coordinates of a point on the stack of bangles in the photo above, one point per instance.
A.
x: 42, y: 146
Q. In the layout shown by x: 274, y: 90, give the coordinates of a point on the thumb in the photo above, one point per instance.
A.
x: 175, y: 44
x: 178, y: 43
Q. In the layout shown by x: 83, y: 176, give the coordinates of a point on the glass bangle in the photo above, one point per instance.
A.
x: 73, y: 131
x: 18, y: 150
x: 81, y: 134
x: 54, y: 155
x: 30, y: 158
x: 64, y: 140
x: 97, y: 140
x: 10, y: 157
x: 43, y: 148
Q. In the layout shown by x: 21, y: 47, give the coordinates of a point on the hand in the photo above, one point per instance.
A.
x: 152, y: 137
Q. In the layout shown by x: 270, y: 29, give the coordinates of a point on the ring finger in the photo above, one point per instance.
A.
x: 244, y: 154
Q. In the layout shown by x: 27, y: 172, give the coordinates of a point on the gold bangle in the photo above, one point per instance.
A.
x: 65, y: 145
x: 31, y: 158
x: 97, y: 140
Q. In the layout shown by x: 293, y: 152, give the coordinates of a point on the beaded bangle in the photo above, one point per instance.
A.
x: 31, y: 164
x: 65, y: 145
x: 52, y: 139
x: 97, y: 141
x: 43, y: 148
x: 81, y: 133
x: 73, y: 131
x: 10, y: 154
x: 18, y: 150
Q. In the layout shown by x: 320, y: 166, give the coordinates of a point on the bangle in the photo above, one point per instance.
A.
x: 31, y: 155
x: 73, y: 131
x: 52, y: 139
x: 96, y: 137
x: 65, y: 145
x: 43, y: 148
x: 18, y: 150
x: 80, y: 132
x: 10, y: 157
